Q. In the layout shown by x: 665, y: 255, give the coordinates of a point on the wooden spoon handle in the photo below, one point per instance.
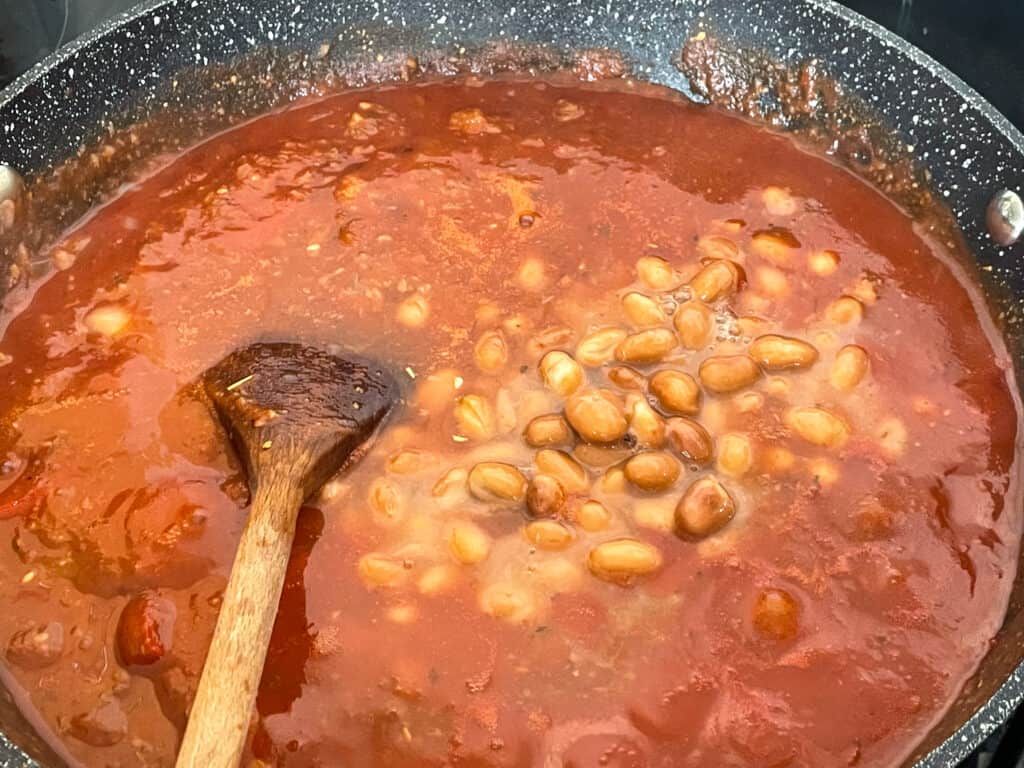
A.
x: 219, y: 720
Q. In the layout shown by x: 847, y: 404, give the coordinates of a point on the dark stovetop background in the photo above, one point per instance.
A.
x: 980, y: 40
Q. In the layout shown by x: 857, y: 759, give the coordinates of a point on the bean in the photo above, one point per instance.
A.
x: 892, y: 437
x: 823, y: 263
x: 144, y: 634
x: 777, y: 460
x: 717, y: 279
x: 469, y: 544
x: 645, y: 423
x: 656, y: 273
x: 776, y: 614
x: 107, y: 320
x: 491, y: 480
x: 613, y: 480
x: 656, y: 514
x: 598, y: 347
x: 777, y: 386
x: 450, y: 484
x: 818, y: 426
x: 474, y: 417
x: 377, y: 570
x: 751, y: 326
x: 597, y: 415
x: 652, y: 471
x: 413, y: 311
x: 622, y: 561
x: 717, y: 247
x: 689, y: 439
x: 844, y: 311
x: 548, y: 534
x: 641, y: 310
x: 772, y: 281
x: 600, y: 456
x: 531, y: 274
x: 593, y: 516
x: 550, y: 429
x: 436, y: 391
x: 749, y: 402
x: 825, y: 339
x: 849, y: 368
x: 561, y: 373
x: 727, y: 373
x: 645, y: 347
x: 564, y: 468
x: 491, y: 352
x: 386, y: 503
x: 508, y: 601
x: 625, y: 377
x: 735, y: 455
x: 549, y: 338
x: 676, y: 391
x: 705, y: 508
x: 776, y: 353
x: 776, y: 245
x: 778, y: 202
x: 409, y: 462
x: 694, y: 323
x: 437, y: 579
x: 545, y: 496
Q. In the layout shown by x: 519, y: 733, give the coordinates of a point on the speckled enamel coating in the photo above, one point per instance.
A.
x: 69, y: 99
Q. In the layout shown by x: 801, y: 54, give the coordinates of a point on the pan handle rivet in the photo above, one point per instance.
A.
x: 10, y: 183
x: 1005, y: 217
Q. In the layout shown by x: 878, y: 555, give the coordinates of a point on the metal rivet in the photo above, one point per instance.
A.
x: 1005, y: 217
x: 10, y: 183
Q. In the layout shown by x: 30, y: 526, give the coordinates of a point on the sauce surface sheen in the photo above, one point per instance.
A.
x: 460, y: 232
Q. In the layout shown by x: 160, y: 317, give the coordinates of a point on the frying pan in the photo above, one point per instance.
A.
x: 173, y: 58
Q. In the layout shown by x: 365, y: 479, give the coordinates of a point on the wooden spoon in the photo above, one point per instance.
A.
x: 296, y: 416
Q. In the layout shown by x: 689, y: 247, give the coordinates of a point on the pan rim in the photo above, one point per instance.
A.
x: 1010, y: 692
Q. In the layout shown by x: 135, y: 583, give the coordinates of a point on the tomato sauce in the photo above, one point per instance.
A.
x: 824, y: 614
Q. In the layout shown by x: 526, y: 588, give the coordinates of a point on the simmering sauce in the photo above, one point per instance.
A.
x: 707, y: 454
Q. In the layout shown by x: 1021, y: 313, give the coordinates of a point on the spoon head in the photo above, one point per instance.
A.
x: 291, y: 407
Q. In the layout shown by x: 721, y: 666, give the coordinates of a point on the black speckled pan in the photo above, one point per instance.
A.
x: 175, y: 58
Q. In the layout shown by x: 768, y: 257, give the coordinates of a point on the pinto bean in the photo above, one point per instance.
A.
x: 622, y: 561
x: 849, y: 368
x: 494, y: 480
x: 598, y: 347
x: 705, y: 508
x: 689, y: 439
x: 549, y: 429
x: 694, y: 324
x: 145, y: 629
x: 646, y: 347
x: 676, y: 391
x: 774, y: 352
x: 561, y: 373
x: 652, y: 471
x: 727, y: 373
x: 597, y: 415
x: 818, y: 426
x: 642, y: 311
